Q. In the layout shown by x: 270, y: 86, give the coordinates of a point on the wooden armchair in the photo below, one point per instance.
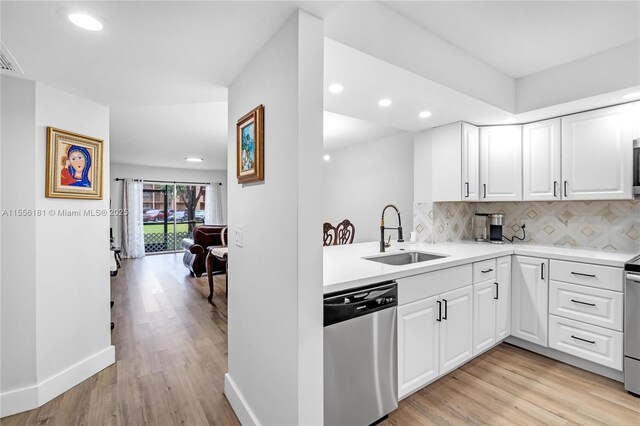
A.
x: 342, y: 234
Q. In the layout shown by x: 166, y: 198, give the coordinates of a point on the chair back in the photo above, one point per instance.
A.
x: 329, y: 235
x: 345, y: 232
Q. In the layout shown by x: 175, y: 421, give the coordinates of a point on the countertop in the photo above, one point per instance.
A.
x: 345, y: 268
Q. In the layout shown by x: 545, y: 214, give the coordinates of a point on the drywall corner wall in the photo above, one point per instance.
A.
x: 361, y: 179
x: 55, y: 267
x: 119, y: 170
x: 18, y: 290
x: 275, y: 305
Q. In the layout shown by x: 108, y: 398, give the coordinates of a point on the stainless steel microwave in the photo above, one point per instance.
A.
x: 636, y: 168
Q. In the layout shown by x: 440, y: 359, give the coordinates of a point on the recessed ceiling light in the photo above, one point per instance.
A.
x: 326, y: 157
x: 85, y: 21
x: 632, y: 95
x: 425, y: 114
x: 336, y: 88
x: 195, y: 159
x: 509, y: 120
x: 384, y: 102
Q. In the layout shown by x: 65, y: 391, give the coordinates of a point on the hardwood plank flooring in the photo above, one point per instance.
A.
x: 171, y: 356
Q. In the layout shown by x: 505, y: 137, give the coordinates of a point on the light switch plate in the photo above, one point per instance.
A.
x: 238, y: 235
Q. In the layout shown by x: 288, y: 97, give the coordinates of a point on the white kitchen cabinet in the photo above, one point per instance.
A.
x: 484, y: 315
x: 503, y: 301
x: 597, y: 154
x: 541, y: 160
x: 491, y: 307
x: 456, y: 328
x: 501, y: 163
x: 454, y: 162
x: 418, y: 334
x: 470, y: 162
x: 529, y: 301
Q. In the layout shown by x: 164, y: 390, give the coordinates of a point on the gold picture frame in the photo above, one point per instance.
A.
x: 74, y: 165
x: 250, y: 146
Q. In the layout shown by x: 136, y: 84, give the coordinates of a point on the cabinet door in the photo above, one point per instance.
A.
x: 541, y: 163
x: 597, y: 154
x: 418, y: 329
x: 446, y: 166
x: 501, y: 163
x: 503, y: 301
x: 484, y: 315
x: 470, y: 162
x: 456, y: 328
x: 529, y: 301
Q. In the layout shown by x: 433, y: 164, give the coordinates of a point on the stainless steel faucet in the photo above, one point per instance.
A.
x: 382, y: 227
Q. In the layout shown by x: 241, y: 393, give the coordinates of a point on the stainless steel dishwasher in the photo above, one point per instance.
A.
x: 632, y: 328
x: 360, y: 355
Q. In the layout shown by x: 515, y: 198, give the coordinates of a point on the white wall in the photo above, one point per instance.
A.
x: 66, y: 266
x: 614, y: 69
x: 361, y: 179
x: 275, y: 279
x: 18, y: 290
x: 119, y: 170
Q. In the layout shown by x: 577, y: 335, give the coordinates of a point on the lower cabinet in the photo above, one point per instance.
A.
x: 434, y: 337
x: 491, y: 308
x: 530, y: 299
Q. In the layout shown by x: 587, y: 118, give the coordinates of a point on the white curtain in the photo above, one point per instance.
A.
x: 132, y: 227
x: 213, y: 204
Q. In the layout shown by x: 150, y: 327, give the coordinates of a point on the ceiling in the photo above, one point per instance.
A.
x: 521, y: 38
x: 165, y: 135
x: 341, y: 131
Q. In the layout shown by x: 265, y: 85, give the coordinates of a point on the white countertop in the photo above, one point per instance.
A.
x: 344, y: 266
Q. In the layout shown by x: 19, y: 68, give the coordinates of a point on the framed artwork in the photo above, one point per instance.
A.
x: 74, y: 165
x: 250, y: 146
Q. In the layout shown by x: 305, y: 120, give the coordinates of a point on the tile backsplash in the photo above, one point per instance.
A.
x: 606, y: 225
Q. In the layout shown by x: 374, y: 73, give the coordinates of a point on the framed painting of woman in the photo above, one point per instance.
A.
x: 250, y: 146
x: 74, y: 165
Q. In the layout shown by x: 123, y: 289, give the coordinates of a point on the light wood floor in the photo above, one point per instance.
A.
x: 171, y: 352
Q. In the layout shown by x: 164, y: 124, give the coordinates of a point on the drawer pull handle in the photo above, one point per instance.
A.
x: 583, y: 303
x: 488, y: 270
x: 583, y: 275
x: 584, y: 340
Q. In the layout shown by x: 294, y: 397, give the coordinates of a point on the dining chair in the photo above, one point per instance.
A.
x: 329, y: 234
x: 345, y: 232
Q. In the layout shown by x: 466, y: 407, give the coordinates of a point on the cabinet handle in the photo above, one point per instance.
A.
x: 583, y: 303
x: 484, y: 190
x: 584, y: 340
x: 439, y: 311
x: 565, y: 188
x: 542, y: 271
x: 583, y: 275
x: 445, y: 309
x: 497, y: 296
x: 488, y: 270
x: 555, y: 188
x: 466, y: 184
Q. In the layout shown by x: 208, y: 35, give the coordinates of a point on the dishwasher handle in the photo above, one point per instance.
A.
x: 633, y: 277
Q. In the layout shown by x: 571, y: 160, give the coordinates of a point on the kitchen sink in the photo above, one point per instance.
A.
x: 407, y: 258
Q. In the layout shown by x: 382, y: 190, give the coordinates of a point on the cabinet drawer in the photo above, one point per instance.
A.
x: 430, y: 284
x: 483, y: 271
x: 604, y: 277
x: 596, y: 344
x: 587, y: 304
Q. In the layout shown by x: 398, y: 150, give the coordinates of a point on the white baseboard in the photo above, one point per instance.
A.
x: 238, y: 402
x: 567, y: 359
x: 31, y: 397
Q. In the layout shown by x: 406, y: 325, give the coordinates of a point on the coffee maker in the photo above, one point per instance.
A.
x: 488, y: 227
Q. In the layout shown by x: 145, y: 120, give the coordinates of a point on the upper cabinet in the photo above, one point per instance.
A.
x: 597, y: 148
x: 501, y: 163
x: 541, y: 160
x: 470, y: 162
x: 454, y: 162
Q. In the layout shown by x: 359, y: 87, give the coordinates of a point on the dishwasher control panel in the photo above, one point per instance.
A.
x: 353, y: 303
